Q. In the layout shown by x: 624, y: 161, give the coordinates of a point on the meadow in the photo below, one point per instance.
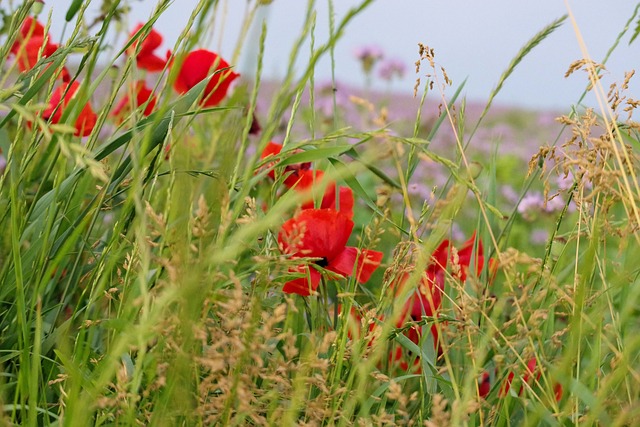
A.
x: 181, y: 244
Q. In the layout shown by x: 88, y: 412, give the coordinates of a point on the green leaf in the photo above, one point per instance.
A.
x: 373, y: 169
x: 73, y: 9
x: 636, y: 31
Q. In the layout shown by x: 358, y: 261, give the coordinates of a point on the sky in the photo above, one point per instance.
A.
x: 473, y: 40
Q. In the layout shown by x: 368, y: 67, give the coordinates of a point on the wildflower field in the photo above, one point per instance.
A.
x: 182, y: 244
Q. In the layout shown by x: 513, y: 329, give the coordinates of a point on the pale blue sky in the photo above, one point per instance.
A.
x: 474, y: 39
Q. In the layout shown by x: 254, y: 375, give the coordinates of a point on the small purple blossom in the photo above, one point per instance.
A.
x: 530, y: 205
x: 368, y: 52
x: 534, y: 203
x: 392, y: 68
x: 564, y: 182
x: 554, y: 204
x: 368, y: 56
x: 3, y: 163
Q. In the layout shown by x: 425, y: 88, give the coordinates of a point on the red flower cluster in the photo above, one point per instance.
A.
x: 427, y: 299
x: 61, y: 97
x: 196, y: 67
x: 323, y: 234
x: 32, y: 42
x: 528, y: 378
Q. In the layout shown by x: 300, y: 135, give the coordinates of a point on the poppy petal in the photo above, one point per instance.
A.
x: 151, y: 63
x: 438, y: 261
x: 272, y: 149
x: 318, y: 233
x: 196, y: 67
x: 557, y: 391
x: 303, y: 285
x: 367, y: 260
x: 484, y: 385
x: 466, y: 254
x: 346, y: 200
x: 30, y: 28
x: 427, y: 300
x: 85, y: 121
x: 145, y: 56
x: 29, y: 54
x: 143, y: 94
x: 218, y: 87
x: 506, y: 385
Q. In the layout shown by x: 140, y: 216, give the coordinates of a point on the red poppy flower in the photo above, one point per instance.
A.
x: 146, y: 58
x: 29, y: 53
x: 197, y: 66
x: 307, y: 178
x: 86, y: 119
x: 31, y: 44
x: 396, y: 356
x: 557, y: 392
x: 506, y: 385
x: 143, y: 94
x: 323, y: 234
x: 470, y: 253
x: 528, y: 378
x: 302, y: 178
x: 484, y: 385
x: 427, y: 299
x: 273, y: 149
x: 30, y: 28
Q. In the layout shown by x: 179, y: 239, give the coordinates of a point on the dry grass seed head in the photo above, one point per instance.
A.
x: 200, y: 222
x: 439, y: 414
x: 250, y: 215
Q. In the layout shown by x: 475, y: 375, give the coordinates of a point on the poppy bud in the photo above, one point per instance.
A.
x: 37, y: 7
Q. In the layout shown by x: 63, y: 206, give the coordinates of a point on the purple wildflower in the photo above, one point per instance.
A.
x: 564, y: 182
x: 530, y: 205
x: 368, y: 56
x: 554, y: 204
x: 534, y: 203
x: 392, y: 68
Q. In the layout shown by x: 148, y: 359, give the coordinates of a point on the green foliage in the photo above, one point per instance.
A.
x: 142, y: 266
